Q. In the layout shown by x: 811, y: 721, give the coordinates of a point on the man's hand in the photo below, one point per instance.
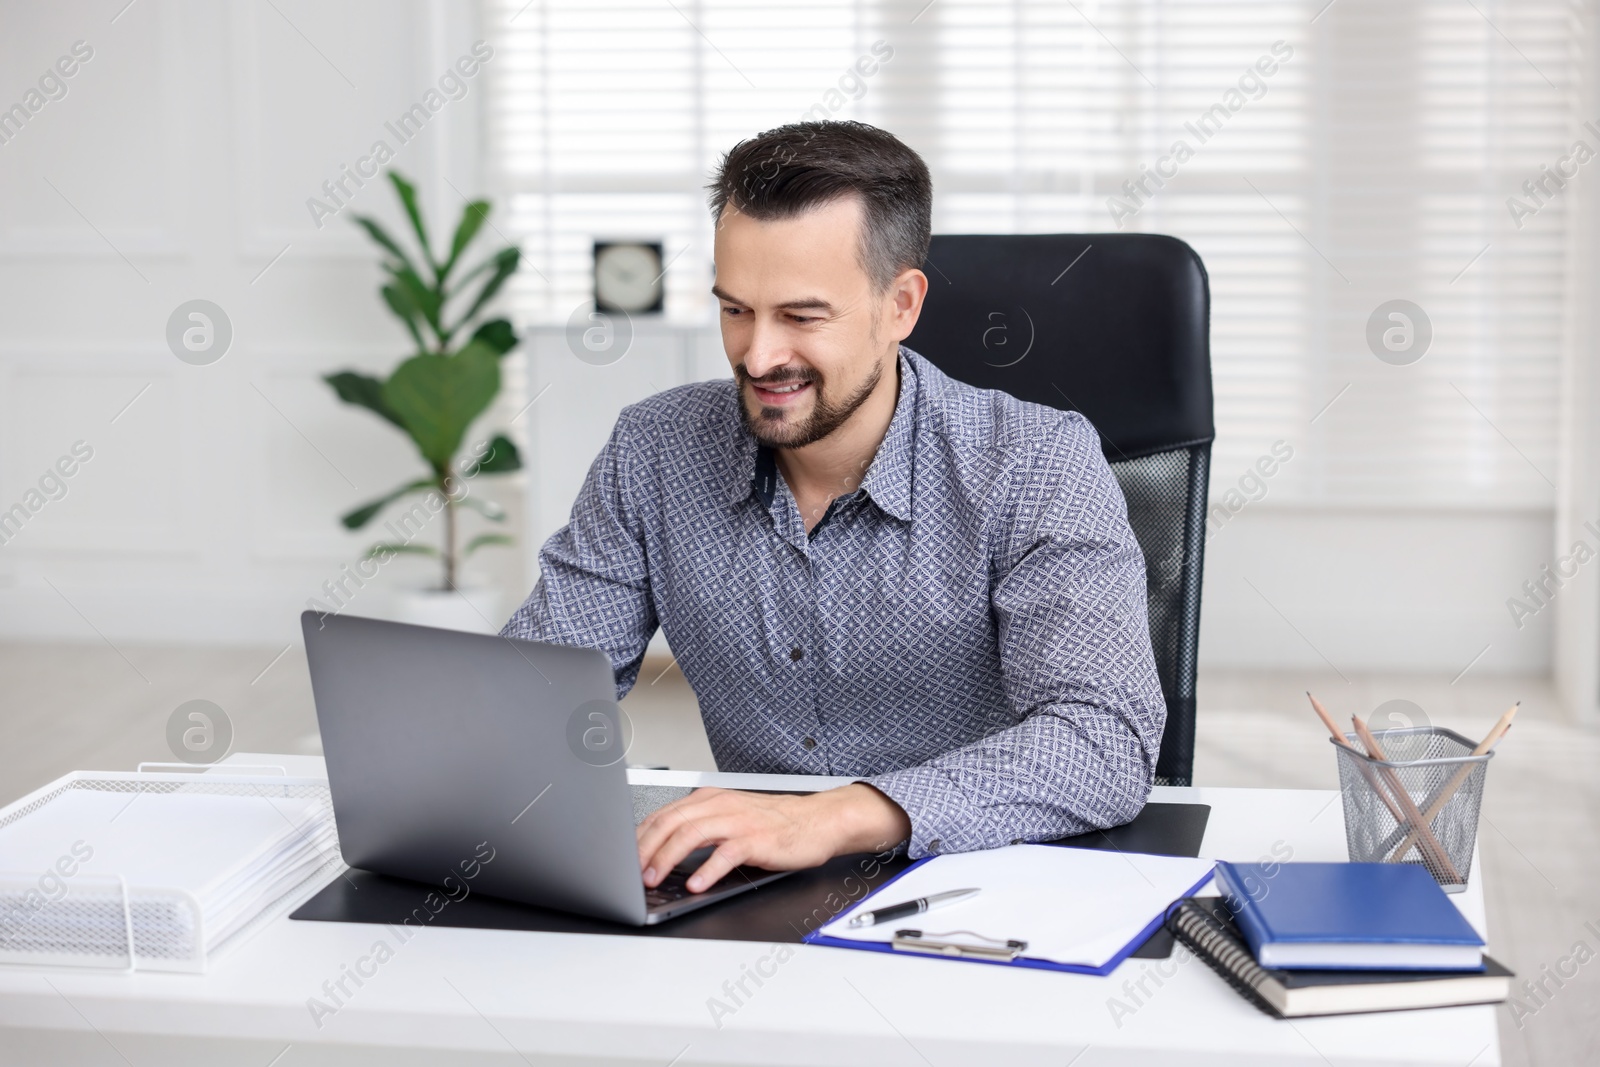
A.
x: 777, y: 832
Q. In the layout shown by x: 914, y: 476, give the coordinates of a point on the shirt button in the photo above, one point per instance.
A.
x: 810, y: 742
x: 796, y: 653
x: 935, y: 845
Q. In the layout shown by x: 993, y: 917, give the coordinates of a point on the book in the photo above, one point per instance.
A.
x: 1207, y: 927
x: 1362, y: 916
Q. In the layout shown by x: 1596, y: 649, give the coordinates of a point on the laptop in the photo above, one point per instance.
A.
x: 445, y: 747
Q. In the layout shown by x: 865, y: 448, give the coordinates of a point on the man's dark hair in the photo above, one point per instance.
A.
x: 792, y: 169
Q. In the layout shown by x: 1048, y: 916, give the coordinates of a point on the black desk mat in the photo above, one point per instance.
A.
x: 780, y: 912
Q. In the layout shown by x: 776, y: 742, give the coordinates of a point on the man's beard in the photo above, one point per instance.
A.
x: 826, y: 415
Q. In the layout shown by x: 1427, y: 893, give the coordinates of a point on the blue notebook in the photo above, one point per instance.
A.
x: 1348, y: 916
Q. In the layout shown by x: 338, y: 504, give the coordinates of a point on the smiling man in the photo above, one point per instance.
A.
x: 864, y: 567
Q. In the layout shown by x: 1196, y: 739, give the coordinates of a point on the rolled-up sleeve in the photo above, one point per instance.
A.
x: 1068, y: 596
x: 594, y: 581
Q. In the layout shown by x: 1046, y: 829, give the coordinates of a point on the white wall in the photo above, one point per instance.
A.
x: 1367, y: 590
x: 1374, y: 590
x: 191, y: 142
x: 178, y: 166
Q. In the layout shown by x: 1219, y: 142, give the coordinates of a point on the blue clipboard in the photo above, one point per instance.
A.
x: 816, y: 937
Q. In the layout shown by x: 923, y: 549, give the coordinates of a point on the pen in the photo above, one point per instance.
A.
x: 910, y: 907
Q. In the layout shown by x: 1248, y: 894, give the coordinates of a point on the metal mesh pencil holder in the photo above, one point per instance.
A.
x: 1430, y: 779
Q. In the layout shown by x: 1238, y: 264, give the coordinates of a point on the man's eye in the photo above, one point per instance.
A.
x: 732, y: 311
x: 803, y: 319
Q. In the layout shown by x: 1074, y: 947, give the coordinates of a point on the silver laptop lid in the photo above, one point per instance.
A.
x: 451, y: 752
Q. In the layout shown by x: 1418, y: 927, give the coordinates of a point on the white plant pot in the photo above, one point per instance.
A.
x: 475, y: 609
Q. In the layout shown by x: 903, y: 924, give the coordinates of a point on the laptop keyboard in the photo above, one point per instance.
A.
x: 673, y: 888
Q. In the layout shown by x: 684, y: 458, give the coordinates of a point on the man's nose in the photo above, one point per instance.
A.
x: 768, y: 351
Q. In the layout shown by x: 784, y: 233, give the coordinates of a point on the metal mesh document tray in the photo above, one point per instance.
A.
x: 68, y: 914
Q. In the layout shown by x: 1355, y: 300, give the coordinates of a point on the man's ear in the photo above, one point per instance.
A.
x: 903, y: 303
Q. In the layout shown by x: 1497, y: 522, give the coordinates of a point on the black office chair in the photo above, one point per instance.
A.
x: 1116, y: 326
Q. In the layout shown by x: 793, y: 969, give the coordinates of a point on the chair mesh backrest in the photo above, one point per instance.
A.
x: 1166, y: 494
x: 1116, y: 326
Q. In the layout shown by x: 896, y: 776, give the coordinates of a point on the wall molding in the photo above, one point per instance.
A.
x: 172, y: 240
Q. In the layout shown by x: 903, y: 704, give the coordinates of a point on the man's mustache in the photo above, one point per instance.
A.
x: 777, y: 377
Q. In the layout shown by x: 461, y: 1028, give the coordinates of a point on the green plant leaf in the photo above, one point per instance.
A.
x: 366, y: 512
x: 498, y: 335
x: 363, y: 391
x: 397, y: 548
x: 381, y: 236
x: 424, y: 297
x: 437, y: 397
x: 502, y: 265
x: 401, y: 303
x: 501, y: 458
x: 483, y: 265
x: 473, y: 216
x: 408, y: 197
x: 487, y: 508
x: 486, y: 539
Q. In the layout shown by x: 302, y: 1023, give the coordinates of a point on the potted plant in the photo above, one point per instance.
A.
x: 433, y: 397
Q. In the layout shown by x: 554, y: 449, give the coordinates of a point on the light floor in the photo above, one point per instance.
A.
x: 65, y: 707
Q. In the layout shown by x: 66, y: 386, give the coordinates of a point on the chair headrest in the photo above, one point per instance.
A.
x: 1116, y: 326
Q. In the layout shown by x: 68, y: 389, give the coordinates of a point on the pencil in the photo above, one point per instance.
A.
x: 1442, y: 798
x: 1433, y: 853
x: 1366, y: 769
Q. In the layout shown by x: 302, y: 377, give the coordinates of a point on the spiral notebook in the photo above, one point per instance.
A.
x: 1206, y: 926
x: 1063, y: 909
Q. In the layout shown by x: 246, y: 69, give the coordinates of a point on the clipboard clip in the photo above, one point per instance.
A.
x: 935, y: 944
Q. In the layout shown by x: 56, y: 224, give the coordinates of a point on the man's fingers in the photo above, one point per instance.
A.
x: 718, y: 864
x: 666, y: 812
x: 684, y: 840
x: 670, y: 852
x: 699, y: 796
x: 661, y: 823
x: 650, y: 834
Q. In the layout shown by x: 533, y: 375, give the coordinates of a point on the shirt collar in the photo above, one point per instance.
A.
x: 889, y: 478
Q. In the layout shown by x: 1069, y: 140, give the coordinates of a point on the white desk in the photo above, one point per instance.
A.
x: 559, y: 998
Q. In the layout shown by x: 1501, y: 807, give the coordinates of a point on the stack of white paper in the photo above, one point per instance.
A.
x: 180, y: 871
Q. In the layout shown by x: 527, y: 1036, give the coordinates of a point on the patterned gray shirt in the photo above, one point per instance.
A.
x: 966, y: 630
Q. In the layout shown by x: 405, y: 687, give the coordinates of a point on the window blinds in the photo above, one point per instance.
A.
x: 1325, y: 160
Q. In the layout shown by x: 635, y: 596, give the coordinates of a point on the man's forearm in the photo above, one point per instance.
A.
x: 1060, y: 772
